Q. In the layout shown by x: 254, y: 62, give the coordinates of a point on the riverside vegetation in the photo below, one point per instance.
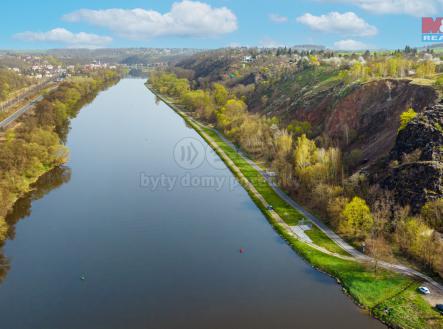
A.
x: 362, y: 214
x: 11, y: 81
x: 36, y: 144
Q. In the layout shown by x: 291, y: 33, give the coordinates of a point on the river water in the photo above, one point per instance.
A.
x: 129, y: 236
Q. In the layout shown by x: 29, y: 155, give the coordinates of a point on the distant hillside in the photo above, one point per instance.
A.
x: 121, y: 55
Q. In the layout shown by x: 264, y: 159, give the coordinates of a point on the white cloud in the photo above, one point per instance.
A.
x: 279, y: 19
x: 61, y: 35
x: 346, y: 24
x: 185, y: 19
x: 409, y: 7
x: 350, y: 44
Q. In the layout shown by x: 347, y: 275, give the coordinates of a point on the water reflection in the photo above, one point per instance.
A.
x: 22, y: 208
x: 4, y: 266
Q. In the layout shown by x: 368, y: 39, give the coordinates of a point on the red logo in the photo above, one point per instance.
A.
x: 431, y: 25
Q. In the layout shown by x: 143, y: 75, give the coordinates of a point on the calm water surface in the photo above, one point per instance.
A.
x: 153, y: 258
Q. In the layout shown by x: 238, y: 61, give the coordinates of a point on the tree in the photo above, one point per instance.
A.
x: 305, y: 151
x: 3, y: 229
x: 314, y: 60
x: 425, y: 69
x: 358, y: 71
x: 335, y: 210
x: 419, y: 240
x: 406, y: 117
x: 220, y: 94
x: 299, y: 128
x: 432, y: 213
x: 378, y: 249
x: 283, y: 144
x: 282, y: 154
x: 231, y: 116
x: 357, y: 219
x: 201, y: 102
x: 255, y: 136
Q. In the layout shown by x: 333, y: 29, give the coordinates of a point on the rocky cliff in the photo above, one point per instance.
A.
x: 413, y: 169
x: 362, y: 117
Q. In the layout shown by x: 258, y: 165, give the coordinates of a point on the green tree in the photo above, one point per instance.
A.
x: 220, y: 94
x: 357, y: 219
x: 299, y: 128
x: 406, y: 117
x: 231, y: 116
x: 201, y: 102
x: 305, y: 152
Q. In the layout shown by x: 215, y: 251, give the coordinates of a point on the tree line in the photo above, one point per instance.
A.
x: 36, y: 145
x: 397, y: 66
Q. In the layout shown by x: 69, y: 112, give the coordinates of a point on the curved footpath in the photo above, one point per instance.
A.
x: 437, y: 288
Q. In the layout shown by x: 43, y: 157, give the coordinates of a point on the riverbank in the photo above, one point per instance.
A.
x: 36, y: 144
x: 388, y: 296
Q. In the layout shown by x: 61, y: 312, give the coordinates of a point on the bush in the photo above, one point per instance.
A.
x: 432, y: 213
x: 406, y: 117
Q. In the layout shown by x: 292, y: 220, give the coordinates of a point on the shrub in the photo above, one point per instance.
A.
x: 406, y: 117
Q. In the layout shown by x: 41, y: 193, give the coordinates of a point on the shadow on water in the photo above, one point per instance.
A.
x: 22, y: 208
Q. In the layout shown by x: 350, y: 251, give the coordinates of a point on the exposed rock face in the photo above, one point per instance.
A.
x: 367, y: 118
x: 425, y: 132
x: 414, y: 167
x: 361, y: 116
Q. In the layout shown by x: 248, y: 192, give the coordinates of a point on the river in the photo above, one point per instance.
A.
x: 129, y: 236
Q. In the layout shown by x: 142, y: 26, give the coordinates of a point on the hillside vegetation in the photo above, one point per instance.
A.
x: 11, y: 81
x: 323, y: 122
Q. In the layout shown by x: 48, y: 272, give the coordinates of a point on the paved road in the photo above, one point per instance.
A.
x: 17, y: 114
x: 436, y: 287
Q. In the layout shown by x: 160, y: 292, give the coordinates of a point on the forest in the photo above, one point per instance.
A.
x: 366, y: 215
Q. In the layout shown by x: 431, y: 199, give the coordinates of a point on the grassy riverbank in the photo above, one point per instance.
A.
x: 389, y: 296
x: 36, y: 144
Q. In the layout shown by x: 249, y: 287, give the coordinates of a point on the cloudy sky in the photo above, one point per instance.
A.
x: 340, y: 24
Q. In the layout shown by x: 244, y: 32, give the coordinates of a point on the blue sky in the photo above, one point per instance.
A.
x: 345, y: 24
